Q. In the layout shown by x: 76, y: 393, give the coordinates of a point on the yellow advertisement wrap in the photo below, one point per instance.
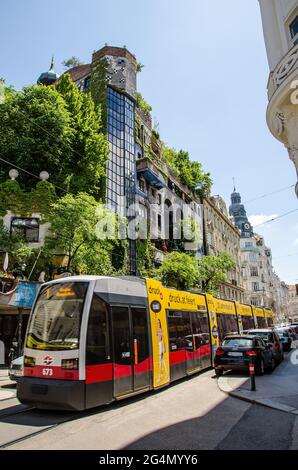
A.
x: 258, y: 312
x: 211, y: 305
x: 159, y: 333
x: 244, y: 310
x: 268, y: 312
x: 225, y: 306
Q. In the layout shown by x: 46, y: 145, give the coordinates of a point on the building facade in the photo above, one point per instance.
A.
x: 221, y: 235
x: 280, y: 26
x: 263, y: 288
x: 293, y: 302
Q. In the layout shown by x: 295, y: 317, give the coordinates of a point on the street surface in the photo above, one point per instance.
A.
x: 193, y: 414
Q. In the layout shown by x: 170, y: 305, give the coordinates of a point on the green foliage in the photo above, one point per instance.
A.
x: 99, y: 86
x: 190, y: 173
x: 179, y: 270
x: 89, y: 144
x: 143, y: 105
x: 21, y: 203
x: 78, y: 230
x: 145, y: 257
x: 8, y: 241
x: 72, y: 62
x: 35, y: 134
x: 139, y: 67
x: 56, y: 129
x: 213, y: 271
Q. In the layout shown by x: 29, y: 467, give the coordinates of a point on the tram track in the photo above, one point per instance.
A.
x: 22, y: 424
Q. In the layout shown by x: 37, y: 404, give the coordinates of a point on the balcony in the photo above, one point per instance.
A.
x: 285, y: 68
x: 149, y: 171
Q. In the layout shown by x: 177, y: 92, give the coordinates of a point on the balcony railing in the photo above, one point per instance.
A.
x: 284, y: 68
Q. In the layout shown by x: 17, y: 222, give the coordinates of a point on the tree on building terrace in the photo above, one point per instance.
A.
x: 57, y: 130
x: 184, y: 271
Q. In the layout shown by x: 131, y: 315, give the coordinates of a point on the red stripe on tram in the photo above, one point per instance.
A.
x: 99, y: 373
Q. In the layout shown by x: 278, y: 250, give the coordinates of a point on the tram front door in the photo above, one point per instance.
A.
x: 130, y: 331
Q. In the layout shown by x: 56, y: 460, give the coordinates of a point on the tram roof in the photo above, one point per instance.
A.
x: 120, y: 290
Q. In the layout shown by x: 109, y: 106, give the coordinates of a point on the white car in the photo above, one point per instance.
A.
x: 16, y: 368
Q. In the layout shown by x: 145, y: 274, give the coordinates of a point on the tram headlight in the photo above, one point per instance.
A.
x: 70, y: 364
x: 29, y: 361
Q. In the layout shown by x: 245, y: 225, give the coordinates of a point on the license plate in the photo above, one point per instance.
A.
x: 235, y: 354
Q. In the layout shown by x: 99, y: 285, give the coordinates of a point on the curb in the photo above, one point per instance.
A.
x: 263, y: 402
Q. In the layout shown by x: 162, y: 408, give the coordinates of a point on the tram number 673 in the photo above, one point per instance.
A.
x: 47, y: 372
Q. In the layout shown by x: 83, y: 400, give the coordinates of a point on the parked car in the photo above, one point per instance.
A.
x: 294, y: 331
x: 271, y: 338
x: 237, y: 351
x: 286, y: 338
x: 16, y: 368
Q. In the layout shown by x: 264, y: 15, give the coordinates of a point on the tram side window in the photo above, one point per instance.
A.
x: 179, y: 330
x: 98, y: 338
x: 227, y: 324
x: 140, y: 331
x: 247, y: 322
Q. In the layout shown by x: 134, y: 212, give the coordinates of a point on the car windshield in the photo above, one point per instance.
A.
x: 240, y: 342
x: 265, y: 335
x: 282, y: 333
x: 56, y: 318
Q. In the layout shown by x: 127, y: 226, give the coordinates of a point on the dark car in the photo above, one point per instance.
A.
x: 271, y: 338
x: 286, y: 338
x: 237, y: 351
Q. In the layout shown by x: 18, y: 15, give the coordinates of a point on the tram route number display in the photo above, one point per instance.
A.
x: 48, y: 372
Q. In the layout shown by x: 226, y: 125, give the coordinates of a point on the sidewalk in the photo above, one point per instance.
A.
x: 7, y: 388
x: 278, y: 390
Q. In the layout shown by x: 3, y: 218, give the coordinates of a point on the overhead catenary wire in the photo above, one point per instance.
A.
x: 269, y: 194
x: 276, y: 218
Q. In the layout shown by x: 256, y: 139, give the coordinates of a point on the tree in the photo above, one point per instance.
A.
x: 75, y: 231
x: 58, y: 130
x: 190, y: 173
x: 35, y: 134
x: 72, y: 62
x: 179, y: 270
x: 213, y: 271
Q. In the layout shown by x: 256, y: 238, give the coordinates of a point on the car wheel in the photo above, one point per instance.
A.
x: 218, y: 372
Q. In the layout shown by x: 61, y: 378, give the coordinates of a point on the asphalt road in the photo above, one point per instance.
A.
x: 192, y: 414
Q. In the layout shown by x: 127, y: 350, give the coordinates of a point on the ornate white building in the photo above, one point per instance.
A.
x: 280, y: 26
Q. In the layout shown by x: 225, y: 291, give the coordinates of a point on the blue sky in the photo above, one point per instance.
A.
x: 205, y: 76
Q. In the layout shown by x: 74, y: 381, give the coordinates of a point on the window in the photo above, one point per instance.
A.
x: 294, y: 31
x: 255, y: 286
x: 98, y: 338
x: 27, y: 228
x: 87, y: 83
x: 142, y: 185
x: 254, y: 271
x: 179, y: 330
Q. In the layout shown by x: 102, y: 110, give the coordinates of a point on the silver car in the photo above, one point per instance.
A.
x: 16, y: 368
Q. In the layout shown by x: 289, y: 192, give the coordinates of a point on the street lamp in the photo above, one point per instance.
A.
x: 44, y: 175
x: 13, y: 174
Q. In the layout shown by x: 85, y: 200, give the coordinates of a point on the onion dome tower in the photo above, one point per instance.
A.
x: 238, y: 212
x: 50, y: 77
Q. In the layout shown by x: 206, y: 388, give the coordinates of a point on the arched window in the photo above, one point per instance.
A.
x: 294, y: 30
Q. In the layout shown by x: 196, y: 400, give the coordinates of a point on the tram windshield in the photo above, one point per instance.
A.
x: 56, y: 318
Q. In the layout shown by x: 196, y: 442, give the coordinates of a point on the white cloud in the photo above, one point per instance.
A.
x: 296, y: 241
x: 256, y: 220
